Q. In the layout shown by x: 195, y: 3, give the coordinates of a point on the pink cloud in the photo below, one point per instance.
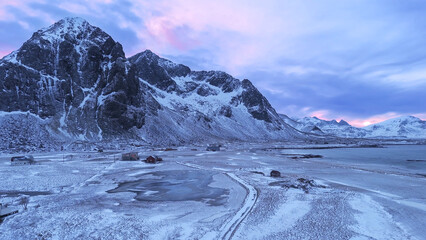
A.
x: 322, y: 114
x: 229, y: 30
x: 422, y: 116
x: 4, y: 53
x: 363, y: 122
x: 201, y: 15
x: 165, y: 32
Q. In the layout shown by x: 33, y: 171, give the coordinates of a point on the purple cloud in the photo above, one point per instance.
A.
x: 355, y: 60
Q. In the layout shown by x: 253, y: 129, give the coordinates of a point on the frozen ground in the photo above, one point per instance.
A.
x: 350, y: 193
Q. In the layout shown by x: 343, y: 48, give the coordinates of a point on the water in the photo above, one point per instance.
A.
x: 383, y: 172
x: 175, y: 185
x: 394, y: 156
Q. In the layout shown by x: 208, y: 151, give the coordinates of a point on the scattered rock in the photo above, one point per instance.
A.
x: 300, y: 183
x: 307, y: 156
x: 275, y: 173
x: 153, y: 159
x: 370, y: 146
x: 170, y: 149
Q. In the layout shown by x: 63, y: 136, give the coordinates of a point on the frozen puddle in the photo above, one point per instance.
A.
x: 175, y: 185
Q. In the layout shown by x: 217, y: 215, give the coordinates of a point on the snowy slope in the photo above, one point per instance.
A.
x: 406, y: 126
x: 204, y: 105
x: 24, y: 131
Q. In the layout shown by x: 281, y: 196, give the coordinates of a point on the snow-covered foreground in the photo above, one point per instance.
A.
x: 357, y: 193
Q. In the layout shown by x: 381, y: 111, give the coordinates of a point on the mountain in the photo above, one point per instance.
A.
x: 405, y: 127
x: 401, y: 127
x: 73, y: 81
x: 324, y: 127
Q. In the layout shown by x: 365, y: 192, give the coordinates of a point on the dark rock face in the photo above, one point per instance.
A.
x: 146, y: 66
x: 315, y: 128
x: 65, y: 71
x: 255, y: 102
x: 76, y: 76
x: 221, y: 80
x: 226, y: 111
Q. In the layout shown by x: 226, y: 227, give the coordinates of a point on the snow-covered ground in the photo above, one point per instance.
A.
x: 349, y: 193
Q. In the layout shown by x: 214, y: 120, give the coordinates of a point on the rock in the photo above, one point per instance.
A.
x: 275, y: 173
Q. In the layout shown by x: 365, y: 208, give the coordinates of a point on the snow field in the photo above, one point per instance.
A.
x: 345, y: 202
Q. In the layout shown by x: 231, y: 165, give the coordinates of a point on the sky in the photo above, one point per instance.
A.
x: 363, y: 61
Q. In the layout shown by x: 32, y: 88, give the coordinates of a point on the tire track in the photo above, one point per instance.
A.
x: 251, y: 198
x: 230, y: 228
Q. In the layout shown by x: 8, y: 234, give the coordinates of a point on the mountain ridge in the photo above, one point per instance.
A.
x: 408, y: 127
x: 77, y: 76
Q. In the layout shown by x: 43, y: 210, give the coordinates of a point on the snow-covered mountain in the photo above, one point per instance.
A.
x: 406, y: 127
x: 76, y: 81
x: 324, y: 127
x: 401, y: 127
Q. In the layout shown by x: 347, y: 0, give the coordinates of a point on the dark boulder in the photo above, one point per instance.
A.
x: 275, y: 173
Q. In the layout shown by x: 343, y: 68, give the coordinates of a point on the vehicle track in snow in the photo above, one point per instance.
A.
x: 228, y: 230
x: 231, y: 227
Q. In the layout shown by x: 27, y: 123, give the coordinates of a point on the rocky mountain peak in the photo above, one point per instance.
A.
x: 408, y: 118
x: 148, y: 54
x: 69, y: 25
x: 71, y: 29
x: 343, y: 122
x: 171, y: 69
x: 58, y: 48
x: 403, y: 120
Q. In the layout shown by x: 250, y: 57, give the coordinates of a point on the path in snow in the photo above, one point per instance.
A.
x: 230, y: 228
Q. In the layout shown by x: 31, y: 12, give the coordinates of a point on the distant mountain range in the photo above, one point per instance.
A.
x: 407, y: 126
x: 72, y: 81
x: 401, y: 127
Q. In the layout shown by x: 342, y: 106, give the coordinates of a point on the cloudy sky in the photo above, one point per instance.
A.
x: 359, y: 60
